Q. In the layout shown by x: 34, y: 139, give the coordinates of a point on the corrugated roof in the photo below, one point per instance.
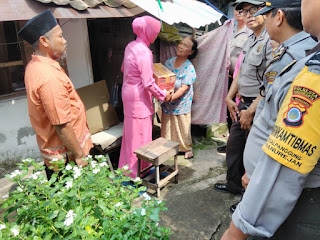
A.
x: 11, y: 10
x: 191, y: 12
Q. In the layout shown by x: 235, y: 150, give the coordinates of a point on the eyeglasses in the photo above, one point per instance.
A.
x: 251, y: 10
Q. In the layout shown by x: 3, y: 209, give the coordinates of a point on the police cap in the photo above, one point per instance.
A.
x: 272, y: 4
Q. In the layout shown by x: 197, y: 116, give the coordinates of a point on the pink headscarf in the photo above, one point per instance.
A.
x: 147, y: 28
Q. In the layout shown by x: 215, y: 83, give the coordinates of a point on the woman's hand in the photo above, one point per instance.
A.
x: 169, y: 95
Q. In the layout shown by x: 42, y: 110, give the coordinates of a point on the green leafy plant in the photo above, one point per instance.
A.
x: 80, y: 203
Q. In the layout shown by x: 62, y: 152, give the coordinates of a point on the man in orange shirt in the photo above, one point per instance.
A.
x: 56, y: 111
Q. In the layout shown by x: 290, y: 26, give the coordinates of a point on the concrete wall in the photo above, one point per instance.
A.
x: 17, y: 138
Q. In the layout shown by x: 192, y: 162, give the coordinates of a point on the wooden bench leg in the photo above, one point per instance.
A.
x: 110, y: 164
x: 176, y: 168
x: 158, y: 180
x: 139, y: 168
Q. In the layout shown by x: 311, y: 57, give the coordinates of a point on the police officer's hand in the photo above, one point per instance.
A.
x: 233, y: 233
x: 246, y: 118
x: 245, y: 181
x: 233, y: 109
x: 81, y: 163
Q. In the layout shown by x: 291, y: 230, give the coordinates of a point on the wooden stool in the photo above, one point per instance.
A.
x: 156, y: 153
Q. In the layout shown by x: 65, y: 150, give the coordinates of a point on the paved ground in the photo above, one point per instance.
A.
x: 195, y: 210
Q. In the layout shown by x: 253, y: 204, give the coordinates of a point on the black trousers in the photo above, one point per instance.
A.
x: 50, y: 172
x: 229, y: 119
x: 304, y: 221
x: 234, y: 153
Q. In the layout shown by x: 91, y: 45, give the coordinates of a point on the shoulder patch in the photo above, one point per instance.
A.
x: 315, y: 60
x: 278, y: 54
x: 275, y: 46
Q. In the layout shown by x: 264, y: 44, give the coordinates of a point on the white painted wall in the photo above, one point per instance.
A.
x: 17, y: 138
x: 75, y: 31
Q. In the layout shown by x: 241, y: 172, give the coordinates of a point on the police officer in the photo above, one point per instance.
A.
x: 282, y: 198
x: 283, y: 23
x: 258, y: 52
x: 240, y: 35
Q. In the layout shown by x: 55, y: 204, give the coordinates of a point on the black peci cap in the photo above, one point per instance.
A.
x: 38, y: 26
x: 272, y: 4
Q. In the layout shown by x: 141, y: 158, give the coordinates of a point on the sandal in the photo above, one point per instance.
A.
x: 188, y: 155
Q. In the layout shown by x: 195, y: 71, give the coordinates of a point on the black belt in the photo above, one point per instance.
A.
x: 247, y: 99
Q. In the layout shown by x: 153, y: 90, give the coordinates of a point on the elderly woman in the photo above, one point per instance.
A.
x: 137, y: 90
x: 176, y: 114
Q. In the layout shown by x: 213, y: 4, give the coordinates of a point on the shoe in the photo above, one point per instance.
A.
x: 233, y: 207
x: 188, y: 155
x: 222, y: 149
x: 222, y: 187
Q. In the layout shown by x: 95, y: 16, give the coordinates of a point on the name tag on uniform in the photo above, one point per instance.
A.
x: 295, y: 140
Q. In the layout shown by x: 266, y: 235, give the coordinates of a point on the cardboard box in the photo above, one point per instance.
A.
x: 100, y: 114
x: 165, y: 79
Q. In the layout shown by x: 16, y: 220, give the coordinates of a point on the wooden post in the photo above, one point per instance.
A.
x: 194, y: 33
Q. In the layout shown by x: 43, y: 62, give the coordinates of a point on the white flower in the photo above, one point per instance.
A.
x: 27, y: 160
x: 89, y: 156
x: 6, y: 196
x: 118, y: 204
x: 70, y: 214
x: 143, y: 212
x: 43, y: 181
x: 137, y: 179
x: 126, y: 167
x: 103, y: 164
x: 99, y: 156
x: 77, y: 172
x: 157, y: 224
x: 68, y: 167
x: 69, y: 218
x: 107, y: 193
x: 35, y: 175
x: 96, y: 170
x: 54, y: 160
x: 94, y: 164
x: 68, y: 221
x: 15, y: 231
x: 68, y: 184
x: 19, y: 189
x: 76, y: 175
x: 15, y: 173
x: 159, y: 201
x: 2, y: 226
x: 146, y: 196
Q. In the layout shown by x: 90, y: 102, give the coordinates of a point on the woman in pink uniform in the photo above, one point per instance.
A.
x: 137, y: 90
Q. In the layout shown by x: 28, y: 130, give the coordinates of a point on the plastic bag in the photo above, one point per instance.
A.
x: 115, y: 95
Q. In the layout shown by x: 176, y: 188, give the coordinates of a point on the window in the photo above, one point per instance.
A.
x: 12, y: 60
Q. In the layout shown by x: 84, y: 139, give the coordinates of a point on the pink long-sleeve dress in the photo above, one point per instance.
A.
x: 137, y: 90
